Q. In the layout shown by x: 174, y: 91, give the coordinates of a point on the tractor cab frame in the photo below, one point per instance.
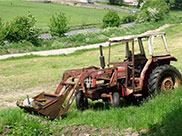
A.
x: 133, y: 61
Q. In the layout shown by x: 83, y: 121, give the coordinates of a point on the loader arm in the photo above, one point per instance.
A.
x: 52, y: 105
x: 72, y: 87
x: 72, y: 93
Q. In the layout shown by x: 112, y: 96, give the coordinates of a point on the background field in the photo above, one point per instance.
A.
x: 31, y: 75
x: 77, y: 15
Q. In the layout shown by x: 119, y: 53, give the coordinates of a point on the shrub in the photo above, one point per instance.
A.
x: 58, y: 24
x: 116, y: 2
x: 128, y: 19
x: 175, y: 4
x: 139, y: 3
x: 1, y: 128
x: 152, y: 10
x: 22, y: 29
x: 2, y: 32
x: 111, y: 19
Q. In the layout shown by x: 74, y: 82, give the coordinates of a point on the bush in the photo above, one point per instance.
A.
x: 111, y: 19
x: 175, y: 4
x: 58, y: 24
x: 2, y: 32
x: 139, y: 3
x: 152, y: 10
x: 116, y: 2
x: 128, y: 19
x: 22, y: 29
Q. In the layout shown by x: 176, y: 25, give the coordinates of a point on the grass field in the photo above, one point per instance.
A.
x: 77, y: 15
x: 31, y: 75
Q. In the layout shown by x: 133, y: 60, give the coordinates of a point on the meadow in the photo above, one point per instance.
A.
x: 33, y: 74
x: 9, y: 9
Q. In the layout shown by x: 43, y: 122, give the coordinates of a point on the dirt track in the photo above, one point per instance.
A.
x: 54, y: 52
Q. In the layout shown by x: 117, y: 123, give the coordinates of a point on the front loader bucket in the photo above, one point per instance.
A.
x: 50, y: 105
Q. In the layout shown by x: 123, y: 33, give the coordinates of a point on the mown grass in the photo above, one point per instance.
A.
x: 9, y: 9
x: 86, y: 38
x: 161, y: 115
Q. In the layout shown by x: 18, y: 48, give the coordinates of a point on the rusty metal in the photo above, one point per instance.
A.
x: 109, y: 53
x: 128, y: 77
x: 167, y: 84
x: 133, y: 65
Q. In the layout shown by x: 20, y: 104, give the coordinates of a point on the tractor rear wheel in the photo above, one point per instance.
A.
x: 81, y: 102
x: 116, y: 99
x: 163, y: 78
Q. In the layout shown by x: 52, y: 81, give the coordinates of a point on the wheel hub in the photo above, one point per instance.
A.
x: 167, y: 84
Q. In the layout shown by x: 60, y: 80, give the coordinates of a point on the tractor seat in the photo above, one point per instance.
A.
x: 140, y: 59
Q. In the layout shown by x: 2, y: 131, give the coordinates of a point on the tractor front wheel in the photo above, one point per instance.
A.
x: 81, y: 102
x: 116, y: 99
x: 163, y: 78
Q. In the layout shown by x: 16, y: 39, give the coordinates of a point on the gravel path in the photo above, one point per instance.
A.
x: 54, y: 52
x: 74, y: 32
x: 70, y: 50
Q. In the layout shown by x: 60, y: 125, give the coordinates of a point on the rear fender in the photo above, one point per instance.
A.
x: 161, y: 60
x: 151, y: 64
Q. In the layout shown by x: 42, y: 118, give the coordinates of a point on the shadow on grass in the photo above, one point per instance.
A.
x: 170, y: 126
x: 100, y: 105
x: 97, y: 106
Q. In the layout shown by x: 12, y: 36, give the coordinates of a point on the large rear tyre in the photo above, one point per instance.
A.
x: 116, y: 99
x: 81, y: 102
x: 163, y: 78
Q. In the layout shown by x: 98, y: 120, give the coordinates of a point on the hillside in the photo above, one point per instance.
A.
x: 31, y: 75
x: 43, y: 11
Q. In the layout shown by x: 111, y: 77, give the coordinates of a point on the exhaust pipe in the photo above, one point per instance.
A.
x: 102, y: 60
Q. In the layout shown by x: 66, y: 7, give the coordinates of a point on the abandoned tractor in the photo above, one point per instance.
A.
x: 134, y: 76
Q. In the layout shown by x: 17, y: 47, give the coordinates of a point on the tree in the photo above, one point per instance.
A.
x: 58, y: 24
x: 111, y: 19
x: 152, y: 10
x: 22, y: 28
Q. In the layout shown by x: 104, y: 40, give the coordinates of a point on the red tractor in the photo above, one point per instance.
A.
x: 134, y: 76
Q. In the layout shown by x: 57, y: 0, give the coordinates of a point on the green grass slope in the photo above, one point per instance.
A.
x: 42, y: 11
x: 160, y: 115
